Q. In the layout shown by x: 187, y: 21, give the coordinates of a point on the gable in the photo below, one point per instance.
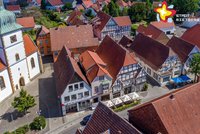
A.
x: 111, y: 22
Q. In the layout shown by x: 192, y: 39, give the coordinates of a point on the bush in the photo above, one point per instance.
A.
x: 145, y: 87
x: 38, y: 123
x: 21, y: 130
x: 126, y: 106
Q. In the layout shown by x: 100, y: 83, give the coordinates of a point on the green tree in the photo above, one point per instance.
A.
x: 105, y: 9
x: 43, y: 4
x: 138, y: 12
x: 38, y: 123
x: 23, y: 102
x: 186, y: 6
x: 67, y: 5
x: 195, y: 66
x: 124, y: 12
x: 113, y: 9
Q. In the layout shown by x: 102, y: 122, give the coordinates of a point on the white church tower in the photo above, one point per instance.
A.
x: 18, y: 64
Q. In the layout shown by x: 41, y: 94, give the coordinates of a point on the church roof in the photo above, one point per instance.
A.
x: 29, y: 45
x: 7, y: 20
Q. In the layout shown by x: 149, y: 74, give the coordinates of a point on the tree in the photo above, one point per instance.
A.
x: 145, y: 87
x: 67, y: 5
x: 138, y: 12
x: 23, y: 102
x: 195, y: 66
x: 43, y: 4
x: 113, y: 9
x: 124, y: 11
x: 105, y: 9
x: 38, y: 123
x: 186, y: 6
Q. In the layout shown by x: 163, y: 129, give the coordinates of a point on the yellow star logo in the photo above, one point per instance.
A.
x: 164, y: 12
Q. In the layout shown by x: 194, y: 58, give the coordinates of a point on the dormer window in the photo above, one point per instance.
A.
x: 13, y: 38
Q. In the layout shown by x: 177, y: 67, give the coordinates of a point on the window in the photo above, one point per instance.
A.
x: 155, y: 76
x: 76, y: 87
x: 80, y: 95
x: 96, y: 89
x: 149, y: 71
x: 105, y: 86
x: 67, y: 98
x: 2, y: 84
x: 101, y: 78
x: 17, y: 57
x: 32, y: 63
x: 165, y: 79
x: 13, y: 38
x: 73, y: 97
x: 81, y: 85
x: 70, y: 88
x: 46, y: 41
x: 86, y: 94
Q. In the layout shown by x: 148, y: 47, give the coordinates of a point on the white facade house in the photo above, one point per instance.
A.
x: 76, y: 97
x: 14, y: 50
x: 72, y: 87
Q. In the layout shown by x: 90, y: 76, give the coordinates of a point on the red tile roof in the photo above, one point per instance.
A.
x: 104, y: 119
x: 192, y: 35
x: 126, y: 41
x: 181, y: 47
x: 121, y: 3
x: 66, y: 71
x: 13, y: 7
x: 115, y: 60
x: 123, y: 20
x: 26, y: 22
x: 55, y: 2
x: 73, y: 37
x: 74, y: 18
x: 87, y: 3
x: 150, y: 51
x: 175, y: 113
x: 44, y: 31
x: 154, y: 33
x: 162, y: 25
x: 103, y: 19
x: 93, y: 65
x: 29, y: 45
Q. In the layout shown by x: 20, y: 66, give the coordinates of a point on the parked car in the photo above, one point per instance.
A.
x: 86, y: 119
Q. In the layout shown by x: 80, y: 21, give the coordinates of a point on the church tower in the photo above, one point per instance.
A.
x: 12, y: 50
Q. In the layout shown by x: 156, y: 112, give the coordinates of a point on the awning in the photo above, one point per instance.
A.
x: 181, y: 79
x: 108, y: 103
x: 116, y: 101
x: 134, y: 95
x: 125, y: 98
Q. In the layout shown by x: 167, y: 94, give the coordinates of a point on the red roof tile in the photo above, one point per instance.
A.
x: 73, y: 37
x: 175, y: 113
x: 75, y: 18
x: 55, y: 2
x: 154, y: 33
x: 121, y: 3
x: 161, y: 24
x: 87, y: 3
x: 115, y: 60
x: 104, y: 119
x: 192, y: 35
x: 93, y: 65
x: 151, y: 51
x: 26, y: 22
x: 123, y: 20
x: 13, y: 7
x: 125, y: 41
x: 66, y: 71
x: 44, y: 31
x: 29, y: 45
x: 103, y: 19
x: 181, y: 47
